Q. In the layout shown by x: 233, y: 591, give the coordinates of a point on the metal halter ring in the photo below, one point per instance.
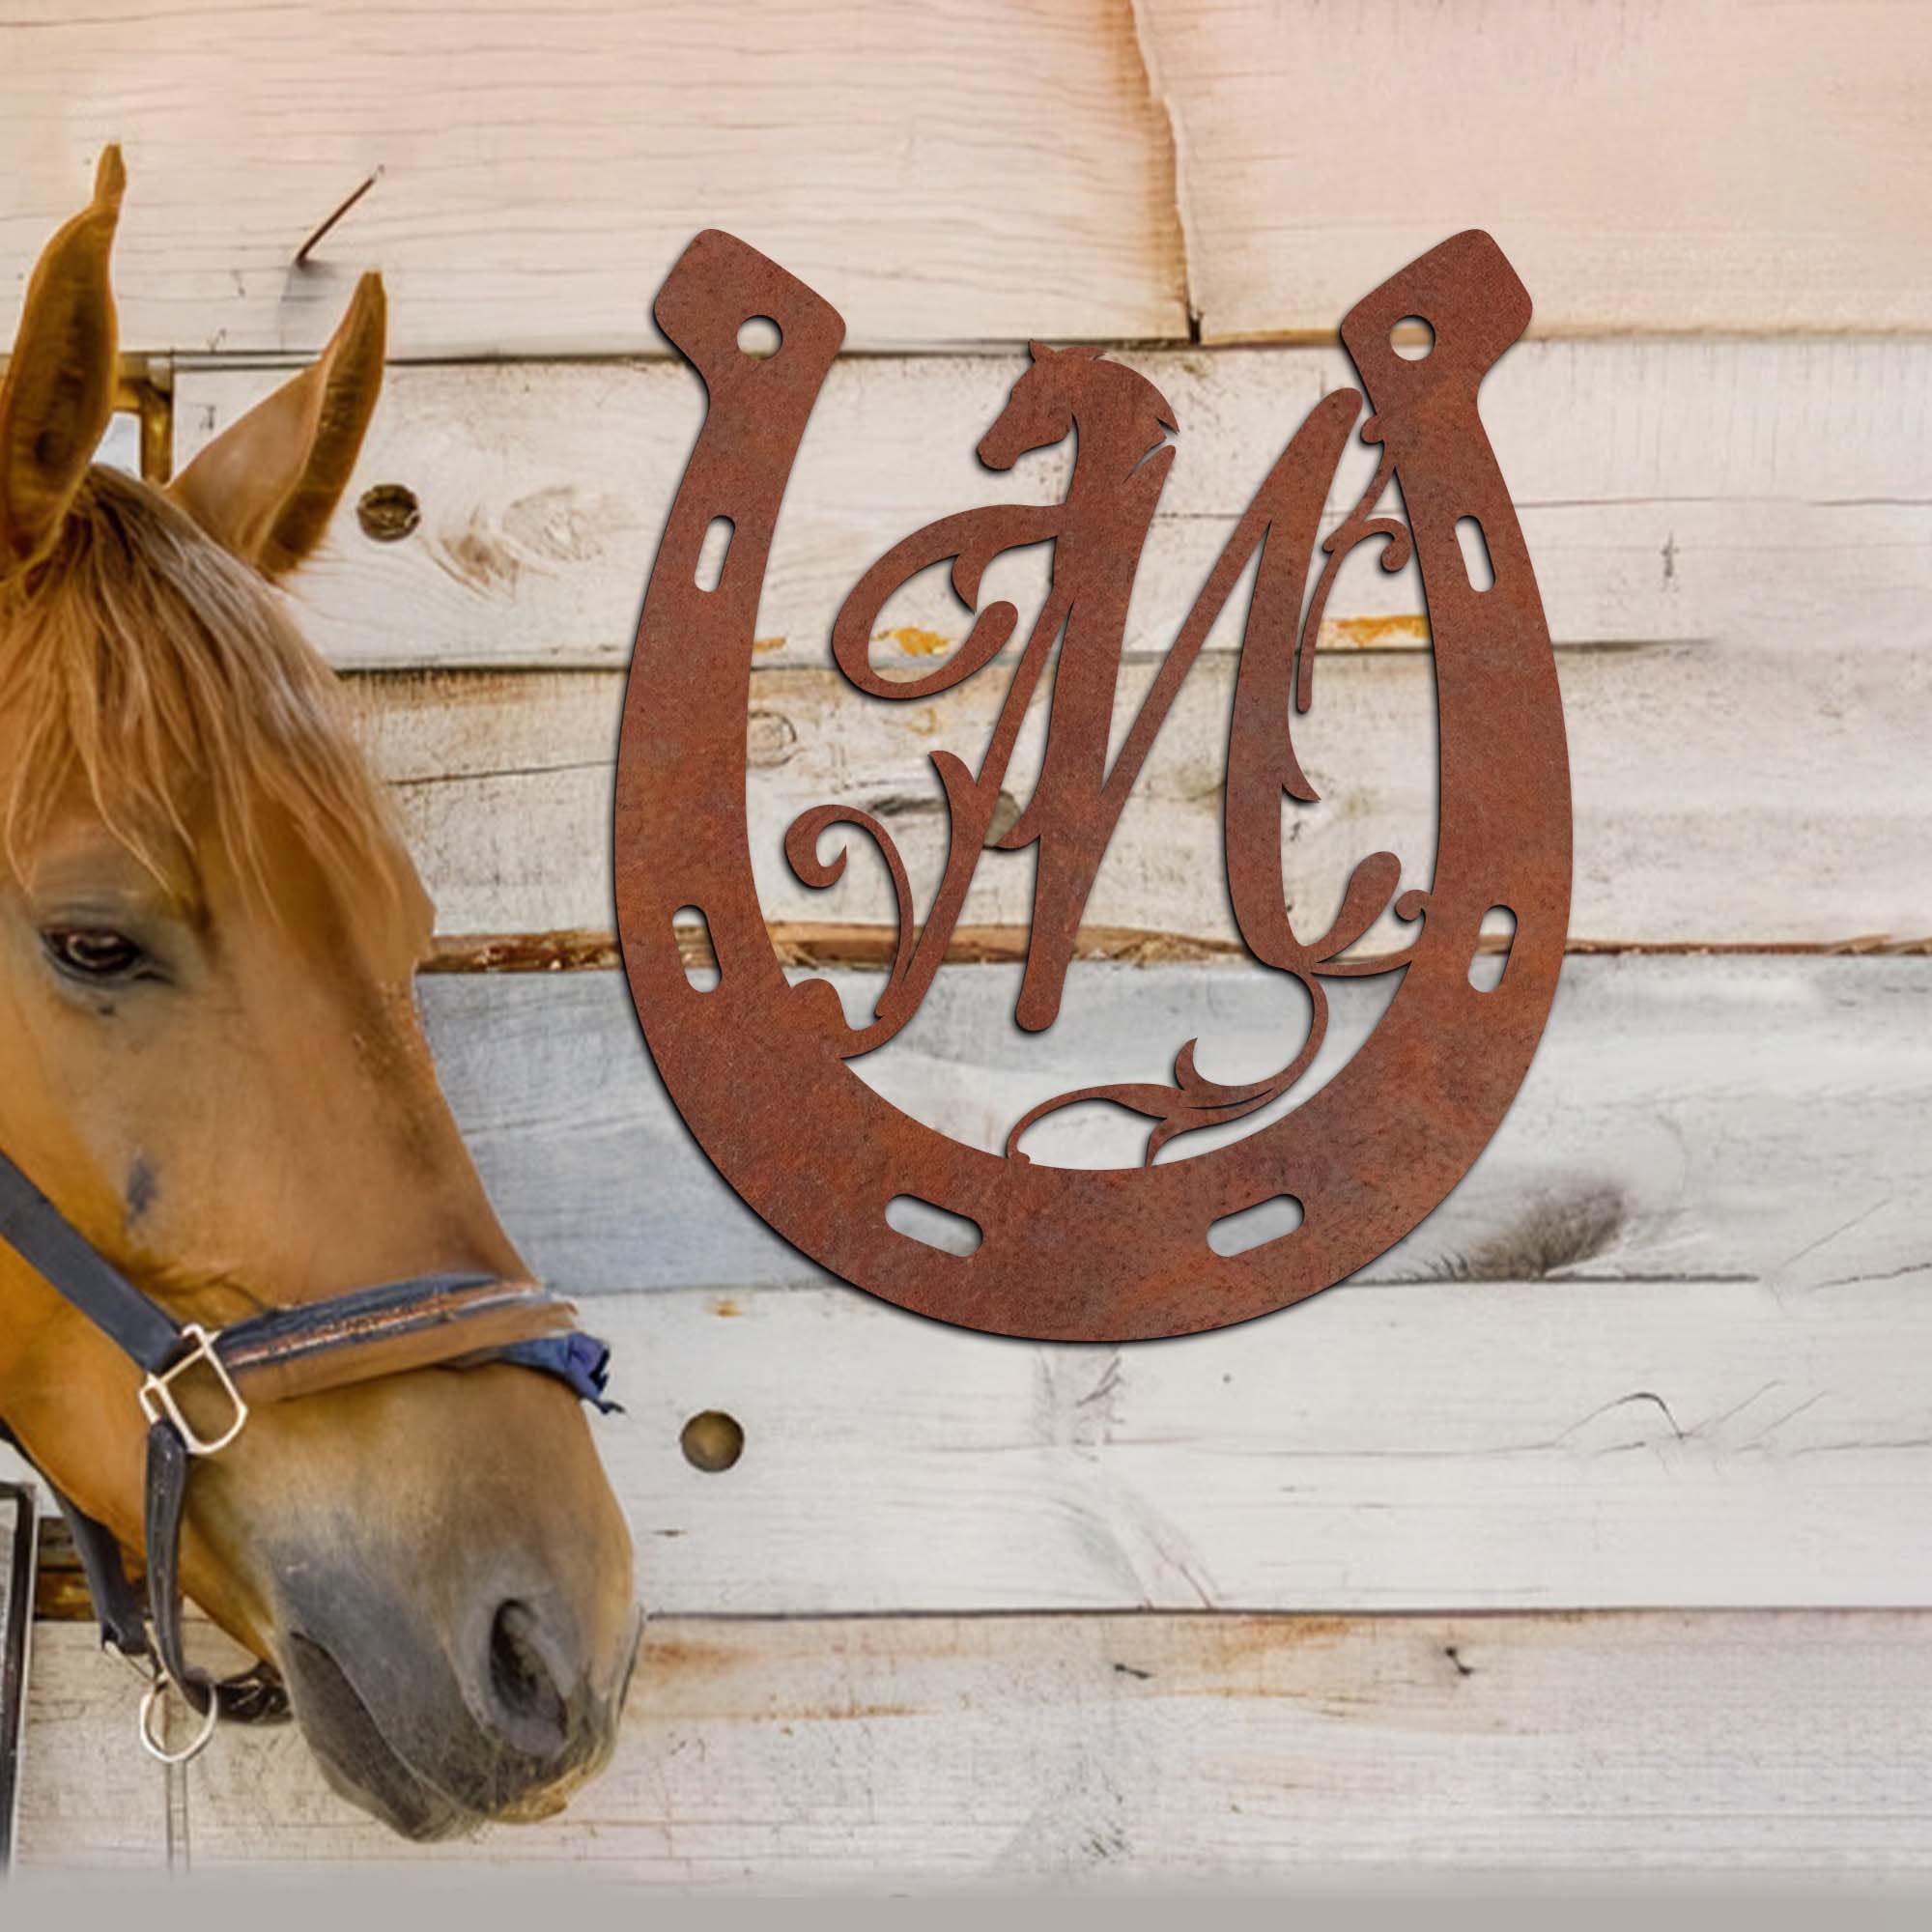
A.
x: 155, y: 1741
x: 158, y: 1396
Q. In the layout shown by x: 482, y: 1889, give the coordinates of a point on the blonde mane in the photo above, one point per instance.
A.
x: 140, y: 658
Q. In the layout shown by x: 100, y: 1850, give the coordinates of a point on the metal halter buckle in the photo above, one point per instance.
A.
x: 158, y: 1396
x: 153, y: 1731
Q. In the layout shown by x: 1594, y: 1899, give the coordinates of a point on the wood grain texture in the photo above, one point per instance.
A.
x: 1748, y: 1119
x: 959, y: 172
x: 88, y: 1795
x: 1711, y: 1392
x: 1472, y: 1445
x: 1664, y: 1348
x: 1761, y: 509
x: 1652, y: 166
x: 1670, y: 491
x: 535, y: 177
x: 1723, y: 793
x: 1103, y: 1751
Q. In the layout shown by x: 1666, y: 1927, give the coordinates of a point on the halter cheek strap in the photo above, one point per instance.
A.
x: 449, y: 1320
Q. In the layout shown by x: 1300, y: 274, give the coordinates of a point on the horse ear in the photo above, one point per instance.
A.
x: 1081, y: 352
x: 268, y: 485
x: 59, y: 391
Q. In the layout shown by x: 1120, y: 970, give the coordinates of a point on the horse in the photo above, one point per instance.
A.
x: 211, y: 1062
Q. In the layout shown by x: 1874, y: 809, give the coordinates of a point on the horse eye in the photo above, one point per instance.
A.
x: 93, y: 952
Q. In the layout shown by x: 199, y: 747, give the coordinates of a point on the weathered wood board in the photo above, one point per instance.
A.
x: 1475, y: 1445
x: 957, y: 172
x: 536, y: 175
x: 1655, y: 166
x: 1748, y: 1119
x: 1713, y: 1394
x: 89, y: 1794
x: 1670, y: 491
x: 1760, y: 508
x: 1101, y: 1751
x: 1723, y: 793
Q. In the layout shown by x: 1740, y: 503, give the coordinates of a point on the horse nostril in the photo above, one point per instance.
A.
x: 522, y: 1685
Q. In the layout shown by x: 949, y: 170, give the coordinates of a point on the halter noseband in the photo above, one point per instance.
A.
x: 450, y: 1320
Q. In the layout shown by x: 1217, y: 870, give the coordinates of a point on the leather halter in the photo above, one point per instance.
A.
x: 450, y: 1320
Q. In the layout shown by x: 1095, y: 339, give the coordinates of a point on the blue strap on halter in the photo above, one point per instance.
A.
x: 579, y: 1361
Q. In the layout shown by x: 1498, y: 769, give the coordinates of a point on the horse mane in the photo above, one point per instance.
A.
x: 1152, y: 398
x: 1146, y: 397
x: 141, y: 658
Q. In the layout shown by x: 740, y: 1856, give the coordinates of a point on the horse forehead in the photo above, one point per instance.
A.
x: 73, y: 852
x: 377, y: 917
x: 366, y: 931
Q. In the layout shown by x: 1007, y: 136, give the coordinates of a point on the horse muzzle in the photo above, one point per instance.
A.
x: 500, y: 1721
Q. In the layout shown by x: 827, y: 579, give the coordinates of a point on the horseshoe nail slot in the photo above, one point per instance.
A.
x: 1411, y: 338
x: 692, y: 931
x: 758, y: 337
x: 1493, y: 944
x: 1476, y: 564
x: 1251, y: 1228
x: 712, y: 553
x: 935, y: 1227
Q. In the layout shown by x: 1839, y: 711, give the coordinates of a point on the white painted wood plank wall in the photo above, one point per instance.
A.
x: 1758, y: 515
x: 1474, y: 1446
x: 1721, y: 795
x: 1752, y: 1120
x: 1671, y: 492
x: 1663, y: 167
x: 980, y: 172
x: 968, y: 171
x: 1710, y: 1394
x: 1003, y: 1754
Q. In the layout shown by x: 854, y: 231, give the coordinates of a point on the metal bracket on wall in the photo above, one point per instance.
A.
x: 144, y: 403
x: 20, y: 1549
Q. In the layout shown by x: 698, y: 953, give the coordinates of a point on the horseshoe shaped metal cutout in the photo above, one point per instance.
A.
x: 759, y: 1067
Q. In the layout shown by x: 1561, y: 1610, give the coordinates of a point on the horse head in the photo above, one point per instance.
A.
x: 1119, y: 413
x: 211, y: 1061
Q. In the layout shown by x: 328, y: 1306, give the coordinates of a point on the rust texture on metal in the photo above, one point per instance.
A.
x: 760, y: 1068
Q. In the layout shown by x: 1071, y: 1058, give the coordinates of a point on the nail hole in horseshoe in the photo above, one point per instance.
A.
x: 1411, y: 338
x: 1251, y: 1228
x: 1492, y: 949
x: 692, y: 933
x: 712, y: 553
x: 1476, y: 564
x: 937, y: 1227
x: 759, y: 337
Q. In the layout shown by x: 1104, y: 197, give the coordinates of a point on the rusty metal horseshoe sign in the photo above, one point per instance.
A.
x: 760, y: 1068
